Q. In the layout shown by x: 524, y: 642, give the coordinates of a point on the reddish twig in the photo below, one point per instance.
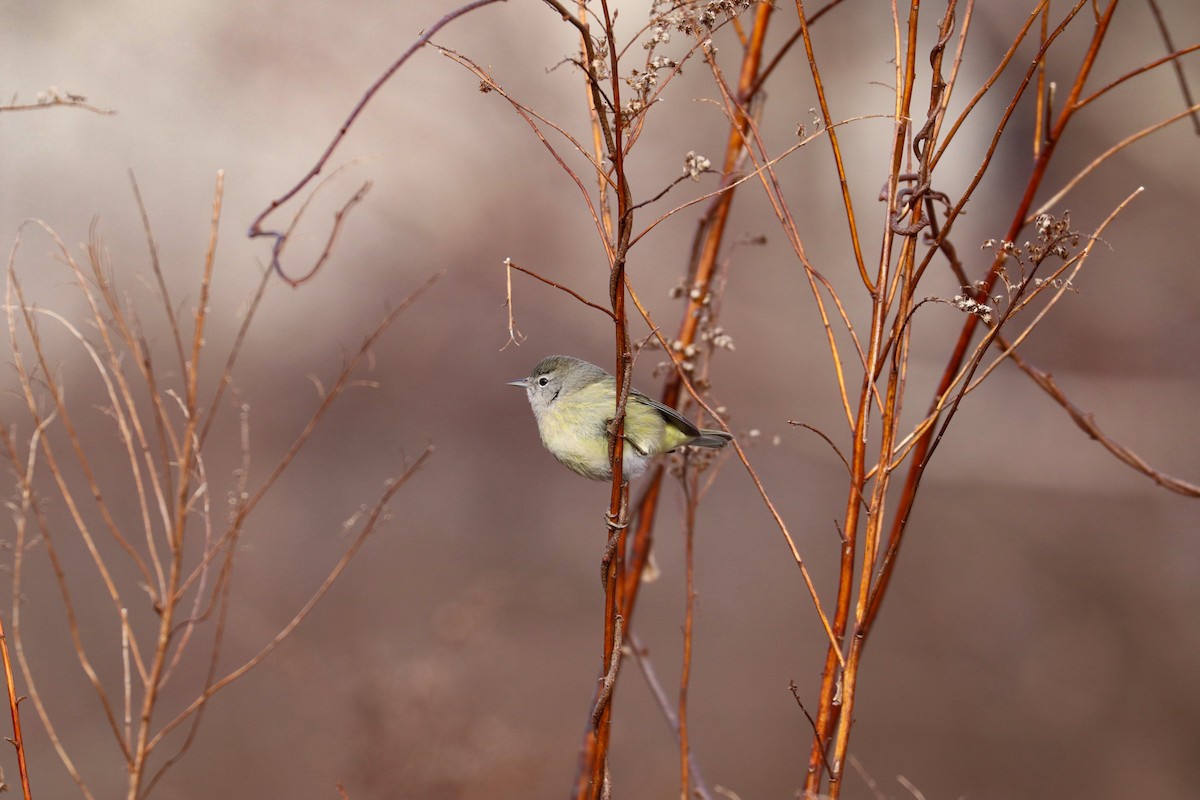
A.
x: 279, y: 238
x: 710, y: 235
x: 18, y: 740
x: 685, y: 674
x: 509, y: 265
x: 1165, y: 32
x: 1087, y: 423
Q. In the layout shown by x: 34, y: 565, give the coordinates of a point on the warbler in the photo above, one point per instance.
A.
x: 574, y: 403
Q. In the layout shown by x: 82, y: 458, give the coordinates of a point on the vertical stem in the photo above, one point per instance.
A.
x: 919, y: 458
x: 837, y: 682
x: 18, y: 740
x: 170, y: 599
x: 1041, y: 111
x: 592, y: 777
x: 685, y: 675
x: 712, y: 235
x: 594, y: 113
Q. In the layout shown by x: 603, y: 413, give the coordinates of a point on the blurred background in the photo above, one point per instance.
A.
x: 1040, y: 637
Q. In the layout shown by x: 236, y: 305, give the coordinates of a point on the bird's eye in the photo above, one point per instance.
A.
x: 542, y: 381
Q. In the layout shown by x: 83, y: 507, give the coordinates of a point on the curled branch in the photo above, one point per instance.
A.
x: 280, y: 238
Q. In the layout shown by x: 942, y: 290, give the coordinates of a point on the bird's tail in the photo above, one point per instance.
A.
x: 709, y: 438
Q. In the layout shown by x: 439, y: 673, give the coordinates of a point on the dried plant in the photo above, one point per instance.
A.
x: 867, y: 308
x: 162, y: 531
x: 622, y: 82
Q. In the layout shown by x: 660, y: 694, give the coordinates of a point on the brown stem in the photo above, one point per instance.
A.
x: 18, y: 740
x: 591, y: 779
x: 685, y: 675
x: 836, y: 147
x: 280, y: 238
x: 642, y: 657
x: 921, y: 452
x: 831, y: 693
x: 186, y: 468
x: 1165, y: 31
x: 710, y: 238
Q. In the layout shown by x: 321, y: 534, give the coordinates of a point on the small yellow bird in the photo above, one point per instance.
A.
x: 574, y: 402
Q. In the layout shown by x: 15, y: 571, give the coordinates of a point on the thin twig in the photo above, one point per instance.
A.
x: 795, y: 690
x: 378, y: 512
x: 1164, y: 31
x: 1107, y: 154
x: 1158, y: 62
x: 54, y: 97
x: 279, y: 238
x: 610, y: 676
x: 641, y: 657
x: 28, y: 506
x: 509, y: 265
x: 691, y: 500
x: 18, y: 740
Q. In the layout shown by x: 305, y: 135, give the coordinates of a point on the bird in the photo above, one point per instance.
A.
x: 574, y: 401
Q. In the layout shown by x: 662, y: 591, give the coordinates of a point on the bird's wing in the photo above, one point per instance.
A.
x: 681, y: 422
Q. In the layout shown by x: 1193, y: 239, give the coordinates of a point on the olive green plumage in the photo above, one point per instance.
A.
x: 574, y: 402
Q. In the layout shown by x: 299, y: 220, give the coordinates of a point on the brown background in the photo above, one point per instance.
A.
x: 1041, y: 635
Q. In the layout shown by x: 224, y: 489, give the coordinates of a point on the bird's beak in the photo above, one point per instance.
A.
x: 523, y: 383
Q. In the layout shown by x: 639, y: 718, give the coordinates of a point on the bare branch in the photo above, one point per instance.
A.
x: 279, y: 238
